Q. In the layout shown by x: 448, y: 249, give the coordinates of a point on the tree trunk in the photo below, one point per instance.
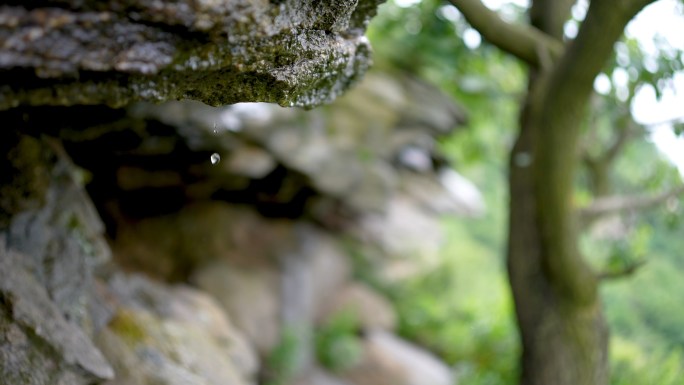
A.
x: 558, y: 309
x: 565, y: 341
x: 564, y: 334
x: 599, y: 177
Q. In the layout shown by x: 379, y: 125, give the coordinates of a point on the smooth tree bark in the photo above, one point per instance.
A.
x: 558, y: 308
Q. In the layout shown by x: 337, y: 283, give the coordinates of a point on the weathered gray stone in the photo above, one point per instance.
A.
x: 317, y: 376
x: 331, y: 269
x: 404, y: 232
x: 166, y: 335
x: 251, y: 296
x: 52, y: 241
x: 172, y: 246
x: 63, y: 238
x: 388, y: 360
x: 291, y: 52
x: 463, y: 193
x: 369, y: 308
x: 38, y: 345
x: 449, y: 193
x: 250, y: 161
x: 278, y: 287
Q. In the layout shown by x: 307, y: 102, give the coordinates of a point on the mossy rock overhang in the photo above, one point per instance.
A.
x: 71, y: 52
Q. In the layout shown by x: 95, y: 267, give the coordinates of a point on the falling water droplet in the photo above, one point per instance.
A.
x: 215, y: 158
x: 215, y: 131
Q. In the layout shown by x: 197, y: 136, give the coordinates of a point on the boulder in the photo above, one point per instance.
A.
x: 405, y: 232
x: 38, y: 344
x: 331, y: 270
x: 318, y: 376
x: 171, y: 246
x: 264, y: 299
x: 389, y: 360
x: 166, y: 335
x: 62, y: 236
x: 51, y: 243
x: 368, y: 308
x: 250, y: 295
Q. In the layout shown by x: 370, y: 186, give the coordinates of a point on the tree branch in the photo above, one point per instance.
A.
x: 524, y: 42
x: 550, y: 16
x: 675, y: 120
x: 629, y: 130
x: 564, y: 93
x: 615, y: 204
x: 622, y: 138
x: 624, y: 272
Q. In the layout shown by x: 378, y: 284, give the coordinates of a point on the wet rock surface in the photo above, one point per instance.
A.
x: 219, y: 52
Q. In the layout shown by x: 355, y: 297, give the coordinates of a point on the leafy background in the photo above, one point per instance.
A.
x: 461, y: 307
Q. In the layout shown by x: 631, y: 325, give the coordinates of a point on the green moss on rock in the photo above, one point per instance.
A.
x: 128, y: 326
x: 24, y: 174
x: 300, y: 53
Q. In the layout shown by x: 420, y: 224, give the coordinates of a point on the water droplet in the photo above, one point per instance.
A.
x: 215, y: 158
x: 215, y: 130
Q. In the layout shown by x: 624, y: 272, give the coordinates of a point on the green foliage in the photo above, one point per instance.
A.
x: 678, y: 129
x: 641, y: 168
x: 281, y: 363
x: 338, y: 345
x: 426, y: 39
x: 631, y: 366
x: 365, y: 264
x: 462, y: 308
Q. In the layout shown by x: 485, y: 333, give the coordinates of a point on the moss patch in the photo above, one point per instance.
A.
x: 24, y: 174
x: 128, y: 326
